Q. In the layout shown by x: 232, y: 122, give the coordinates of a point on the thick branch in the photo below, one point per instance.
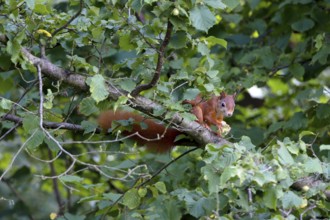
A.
x: 200, y: 134
x: 160, y: 62
x: 55, y: 72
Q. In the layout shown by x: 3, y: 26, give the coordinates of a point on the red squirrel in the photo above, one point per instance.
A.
x: 158, y: 137
x: 212, y: 111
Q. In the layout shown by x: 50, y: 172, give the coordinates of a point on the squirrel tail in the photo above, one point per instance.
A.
x: 156, y: 137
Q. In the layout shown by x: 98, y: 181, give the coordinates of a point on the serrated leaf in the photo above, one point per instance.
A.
x: 87, y: 106
x: 71, y: 179
x: 132, y: 199
x: 161, y: 187
x: 202, y: 18
x: 98, y: 88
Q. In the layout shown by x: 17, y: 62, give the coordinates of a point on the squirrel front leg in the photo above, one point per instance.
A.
x: 211, y: 119
x: 198, y: 112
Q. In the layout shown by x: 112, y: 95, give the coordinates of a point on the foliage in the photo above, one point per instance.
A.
x: 276, y: 168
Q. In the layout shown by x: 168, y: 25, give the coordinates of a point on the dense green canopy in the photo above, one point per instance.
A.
x: 64, y: 62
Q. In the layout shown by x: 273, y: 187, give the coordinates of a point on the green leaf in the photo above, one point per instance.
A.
x: 215, y: 4
x: 71, y: 179
x: 88, y: 126
x: 142, y: 192
x: 209, y: 87
x: 231, y: 3
x: 161, y: 187
x: 98, y: 88
x: 313, y: 166
x: 305, y: 133
x: 37, y: 139
x: 5, y: 104
x: 269, y: 198
x: 291, y: 200
x: 203, y: 49
x: 120, y: 101
x: 179, y: 40
x: 131, y: 199
x: 48, y: 103
x: 297, y: 70
x: 41, y: 9
x: 125, y: 42
x: 202, y: 18
x: 297, y: 122
x: 212, y: 178
x: 213, y: 41
x: 30, y: 123
x: 30, y: 4
x: 228, y: 173
x: 324, y: 147
x: 87, y: 106
x: 127, y: 84
x: 284, y: 156
x: 13, y: 48
x: 190, y: 94
x: 303, y: 25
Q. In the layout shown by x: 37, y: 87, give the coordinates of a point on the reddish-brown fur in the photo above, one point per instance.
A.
x: 162, y: 139
x: 153, y: 132
x: 212, y: 111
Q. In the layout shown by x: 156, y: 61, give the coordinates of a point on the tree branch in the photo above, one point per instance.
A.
x: 200, y: 134
x: 52, y: 125
x: 71, y: 19
x: 160, y: 62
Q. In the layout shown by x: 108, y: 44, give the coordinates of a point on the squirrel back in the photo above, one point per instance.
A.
x: 156, y: 137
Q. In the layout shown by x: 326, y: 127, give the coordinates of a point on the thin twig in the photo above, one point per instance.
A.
x: 55, y: 185
x: 153, y: 176
x: 71, y: 19
x: 160, y: 62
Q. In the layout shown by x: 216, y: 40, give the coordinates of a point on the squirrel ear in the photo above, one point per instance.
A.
x: 234, y: 95
x: 223, y: 94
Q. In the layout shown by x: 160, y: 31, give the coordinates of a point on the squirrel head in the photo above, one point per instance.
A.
x: 226, y: 104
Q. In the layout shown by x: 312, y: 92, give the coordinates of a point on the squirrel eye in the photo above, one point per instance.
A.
x: 223, y: 104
